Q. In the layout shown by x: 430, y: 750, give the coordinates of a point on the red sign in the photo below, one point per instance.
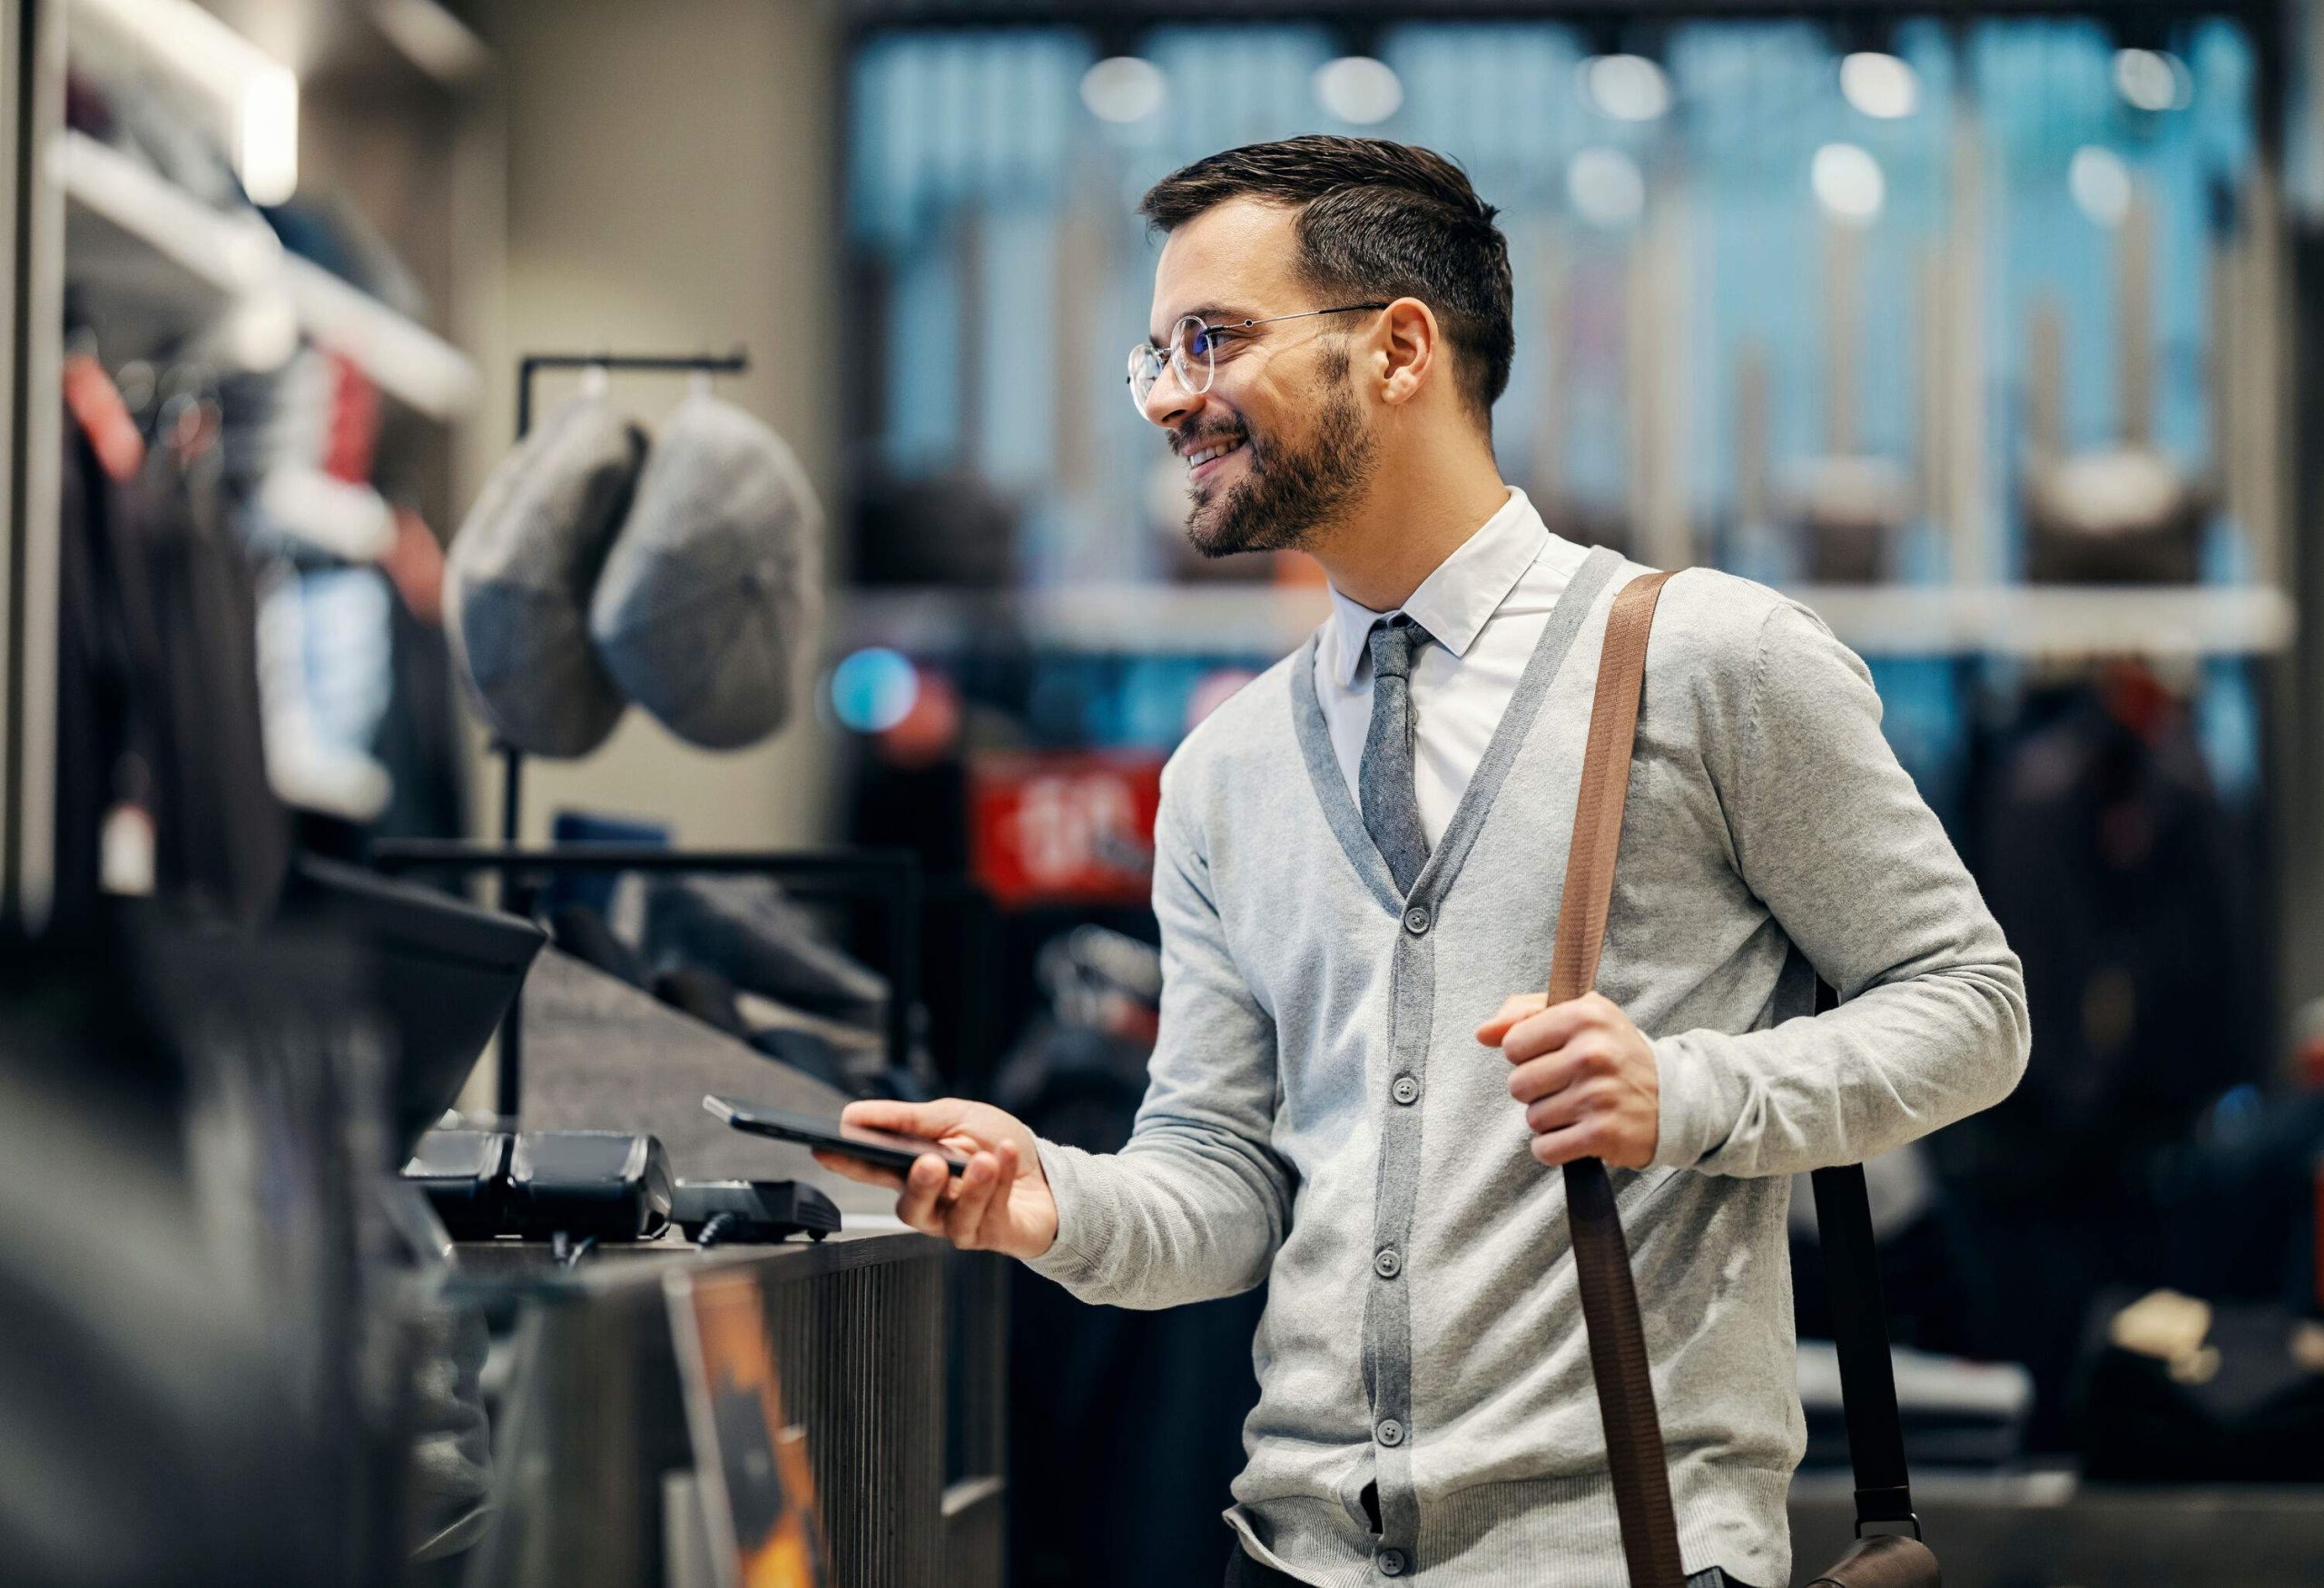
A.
x: 1068, y: 828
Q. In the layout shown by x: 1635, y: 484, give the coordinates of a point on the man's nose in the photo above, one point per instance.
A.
x: 1167, y: 403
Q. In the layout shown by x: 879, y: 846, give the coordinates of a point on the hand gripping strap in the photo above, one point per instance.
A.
x: 1617, y: 1358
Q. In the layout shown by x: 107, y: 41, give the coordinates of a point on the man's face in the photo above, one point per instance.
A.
x: 1297, y: 442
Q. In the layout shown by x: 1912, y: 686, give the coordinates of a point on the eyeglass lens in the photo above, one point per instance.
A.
x: 1188, y: 357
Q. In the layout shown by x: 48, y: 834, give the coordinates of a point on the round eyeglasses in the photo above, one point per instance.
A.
x: 1191, y: 355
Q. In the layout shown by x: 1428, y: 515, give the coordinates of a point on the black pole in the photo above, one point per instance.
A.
x: 903, y: 964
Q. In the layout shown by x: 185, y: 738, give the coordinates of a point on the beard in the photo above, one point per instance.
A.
x: 1288, y: 494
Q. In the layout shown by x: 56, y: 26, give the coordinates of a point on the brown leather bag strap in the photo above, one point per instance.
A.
x: 1605, y: 786
x: 1617, y: 1356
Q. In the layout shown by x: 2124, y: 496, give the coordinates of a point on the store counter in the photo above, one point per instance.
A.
x: 596, y: 1459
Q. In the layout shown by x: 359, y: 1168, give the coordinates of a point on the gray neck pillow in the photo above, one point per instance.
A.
x: 519, y: 576
x: 706, y: 610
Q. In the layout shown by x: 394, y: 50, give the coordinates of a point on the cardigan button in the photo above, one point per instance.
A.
x: 1390, y: 1432
x: 1404, y: 1090
x: 1391, y: 1563
x: 1416, y: 920
x: 1387, y: 1265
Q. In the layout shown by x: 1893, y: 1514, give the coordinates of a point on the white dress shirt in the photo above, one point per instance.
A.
x: 1484, y: 607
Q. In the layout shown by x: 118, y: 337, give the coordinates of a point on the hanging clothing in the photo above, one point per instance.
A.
x: 2113, y: 869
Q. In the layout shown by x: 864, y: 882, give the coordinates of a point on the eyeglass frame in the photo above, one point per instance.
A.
x: 1175, y: 361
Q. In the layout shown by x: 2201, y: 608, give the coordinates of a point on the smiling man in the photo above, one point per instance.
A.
x: 1358, y: 863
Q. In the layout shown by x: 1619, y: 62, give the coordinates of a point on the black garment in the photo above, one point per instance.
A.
x: 2117, y: 873
x: 1243, y: 1571
x: 1124, y: 1425
x: 159, y: 679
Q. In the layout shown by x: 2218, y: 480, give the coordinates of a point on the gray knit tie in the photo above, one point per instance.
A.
x: 1390, y: 807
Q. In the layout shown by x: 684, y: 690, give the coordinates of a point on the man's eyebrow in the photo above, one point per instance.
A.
x: 1211, y: 314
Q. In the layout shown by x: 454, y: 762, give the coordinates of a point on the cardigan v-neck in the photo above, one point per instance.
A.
x: 1340, y: 807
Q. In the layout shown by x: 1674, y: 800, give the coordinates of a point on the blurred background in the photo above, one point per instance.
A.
x: 1987, y: 330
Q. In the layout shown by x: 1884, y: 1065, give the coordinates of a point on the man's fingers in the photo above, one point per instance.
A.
x: 922, y: 1186
x: 1541, y: 1077
x: 965, y: 1218
x: 1554, y: 1072
x: 1510, y: 1012
x: 1555, y: 1026
x: 1005, y: 1175
x: 930, y: 1119
x: 1575, y: 1141
x: 991, y: 1226
x: 871, y: 1174
x: 1560, y: 1109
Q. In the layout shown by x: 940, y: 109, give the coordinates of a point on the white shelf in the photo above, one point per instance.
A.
x: 130, y: 230
x: 1876, y: 620
x: 2056, y: 620
x: 129, y: 226
x: 420, y: 367
x: 1146, y: 619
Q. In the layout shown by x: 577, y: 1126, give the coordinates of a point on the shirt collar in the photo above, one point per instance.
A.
x: 1454, y: 602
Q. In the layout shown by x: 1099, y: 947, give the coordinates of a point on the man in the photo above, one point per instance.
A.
x: 1358, y: 873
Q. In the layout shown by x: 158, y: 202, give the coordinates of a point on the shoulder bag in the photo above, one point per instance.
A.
x: 1617, y: 1356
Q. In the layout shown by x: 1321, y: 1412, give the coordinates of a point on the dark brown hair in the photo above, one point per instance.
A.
x: 1376, y: 220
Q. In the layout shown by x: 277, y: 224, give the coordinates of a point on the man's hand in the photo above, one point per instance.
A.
x: 1000, y: 1203
x: 1585, y: 1075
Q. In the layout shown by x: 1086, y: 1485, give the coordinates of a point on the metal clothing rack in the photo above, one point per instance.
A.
x: 894, y: 875
x: 512, y: 759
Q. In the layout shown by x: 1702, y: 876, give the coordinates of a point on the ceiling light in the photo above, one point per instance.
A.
x: 266, y: 135
x: 2100, y: 185
x: 1628, y: 88
x: 1879, y: 85
x: 1358, y: 89
x: 1606, y: 188
x: 1847, y: 184
x: 2152, y: 80
x: 251, y: 98
x: 1123, y: 88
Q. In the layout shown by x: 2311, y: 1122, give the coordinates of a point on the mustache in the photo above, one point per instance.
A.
x: 1185, y: 441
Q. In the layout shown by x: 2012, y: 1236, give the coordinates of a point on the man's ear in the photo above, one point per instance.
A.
x: 1408, y: 342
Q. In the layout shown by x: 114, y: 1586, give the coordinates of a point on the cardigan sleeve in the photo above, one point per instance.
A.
x: 1831, y: 834
x: 1195, y: 1204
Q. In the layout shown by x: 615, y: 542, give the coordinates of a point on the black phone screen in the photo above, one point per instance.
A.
x: 887, y: 1149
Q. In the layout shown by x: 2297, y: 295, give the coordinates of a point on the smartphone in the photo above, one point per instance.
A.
x: 885, y: 1147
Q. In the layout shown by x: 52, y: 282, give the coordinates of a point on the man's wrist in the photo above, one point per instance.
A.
x: 1677, y: 1078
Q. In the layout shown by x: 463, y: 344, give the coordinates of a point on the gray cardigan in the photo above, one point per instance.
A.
x: 1321, y: 1118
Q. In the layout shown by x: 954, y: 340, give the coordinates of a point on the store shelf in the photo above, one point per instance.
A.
x: 418, y: 366
x: 1148, y: 620
x: 130, y: 230
x: 1876, y: 620
x: 2056, y: 620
